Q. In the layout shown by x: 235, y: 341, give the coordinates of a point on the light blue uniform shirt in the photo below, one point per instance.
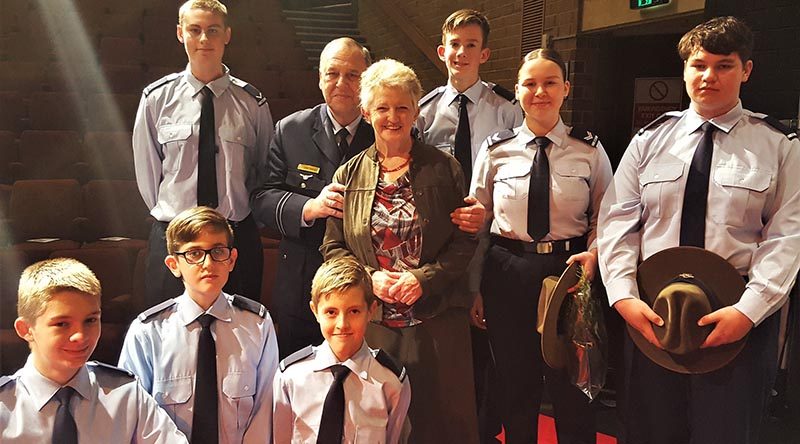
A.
x: 161, y: 349
x: 166, y: 136
x: 376, y: 399
x: 488, y: 114
x: 109, y: 407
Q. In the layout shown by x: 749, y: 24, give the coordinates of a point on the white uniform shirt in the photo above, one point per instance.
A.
x: 376, y: 400
x: 109, y: 406
x: 753, y: 216
x: 165, y: 144
x: 579, y: 175
x: 488, y: 114
x: 162, y: 351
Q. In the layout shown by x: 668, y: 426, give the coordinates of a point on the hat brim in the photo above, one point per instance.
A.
x: 718, y: 275
x: 554, y: 346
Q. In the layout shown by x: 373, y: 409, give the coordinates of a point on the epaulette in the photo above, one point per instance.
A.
x: 161, y: 82
x: 775, y: 123
x: 250, y: 89
x: 152, y: 311
x: 584, y: 135
x: 389, y: 362
x: 498, y: 137
x: 249, y: 305
x: 430, y: 96
x: 5, y: 380
x: 504, y: 93
x: 116, y: 371
x: 296, y: 357
x: 659, y: 120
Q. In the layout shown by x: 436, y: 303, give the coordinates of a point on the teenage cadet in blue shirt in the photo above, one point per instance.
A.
x: 489, y: 109
x: 377, y: 393
x: 163, y: 346
x: 172, y: 172
x: 750, y: 216
x: 57, y: 396
x: 541, y: 220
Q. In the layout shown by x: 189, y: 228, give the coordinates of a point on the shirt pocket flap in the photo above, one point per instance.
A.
x: 508, y: 172
x: 754, y: 180
x: 661, y: 173
x: 174, y: 391
x: 236, y: 135
x: 173, y: 133
x: 239, y: 385
x: 578, y: 170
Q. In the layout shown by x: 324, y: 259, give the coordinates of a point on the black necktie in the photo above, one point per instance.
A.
x: 207, y: 154
x: 64, y: 429
x: 463, y: 148
x: 539, y: 192
x: 331, y: 426
x: 205, y: 421
x: 344, y: 147
x: 695, y: 197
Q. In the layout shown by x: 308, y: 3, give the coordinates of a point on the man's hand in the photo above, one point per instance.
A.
x: 469, y: 219
x: 641, y: 317
x: 407, y: 289
x: 731, y: 326
x: 328, y: 203
x: 382, y: 282
x: 587, y: 259
x: 476, y: 312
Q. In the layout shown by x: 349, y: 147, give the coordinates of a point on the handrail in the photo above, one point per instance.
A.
x: 413, y: 33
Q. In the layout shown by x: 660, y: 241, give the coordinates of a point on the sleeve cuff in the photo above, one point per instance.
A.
x: 621, y: 289
x: 752, y: 306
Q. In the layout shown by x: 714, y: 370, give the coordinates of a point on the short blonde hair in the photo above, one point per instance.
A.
x: 188, y: 225
x: 464, y: 17
x: 341, y: 274
x: 40, y: 281
x: 214, y: 6
x: 389, y: 73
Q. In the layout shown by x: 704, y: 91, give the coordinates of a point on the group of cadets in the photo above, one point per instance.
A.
x: 203, y: 366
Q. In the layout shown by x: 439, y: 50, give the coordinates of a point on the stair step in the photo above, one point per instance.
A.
x: 321, y: 36
x: 326, y: 29
x: 317, y: 14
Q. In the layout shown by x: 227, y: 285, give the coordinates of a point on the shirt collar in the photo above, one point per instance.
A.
x: 42, y: 389
x: 473, y: 93
x: 724, y: 122
x: 351, y: 127
x: 217, y: 86
x: 189, y: 311
x: 358, y: 363
x: 557, y: 135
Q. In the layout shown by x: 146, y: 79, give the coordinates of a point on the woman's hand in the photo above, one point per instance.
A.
x: 587, y: 259
x: 382, y: 282
x: 406, y: 290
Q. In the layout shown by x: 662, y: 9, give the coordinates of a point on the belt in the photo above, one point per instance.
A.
x: 573, y: 245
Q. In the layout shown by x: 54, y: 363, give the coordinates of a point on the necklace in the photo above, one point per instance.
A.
x: 397, y: 168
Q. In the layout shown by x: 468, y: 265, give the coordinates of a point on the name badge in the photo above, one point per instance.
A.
x: 308, y: 168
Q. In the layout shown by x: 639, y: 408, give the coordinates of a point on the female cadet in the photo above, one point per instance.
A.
x: 541, y: 184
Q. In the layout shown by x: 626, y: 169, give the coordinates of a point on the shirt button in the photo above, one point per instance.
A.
x: 247, y: 387
x: 364, y: 221
x: 303, y: 185
x: 655, y: 175
x: 239, y: 138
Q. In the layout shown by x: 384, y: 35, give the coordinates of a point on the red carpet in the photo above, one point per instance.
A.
x: 547, y: 433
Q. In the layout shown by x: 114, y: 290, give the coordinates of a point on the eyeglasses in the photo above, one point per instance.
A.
x: 198, y: 256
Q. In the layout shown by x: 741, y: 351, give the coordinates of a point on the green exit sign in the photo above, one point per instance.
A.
x: 642, y: 4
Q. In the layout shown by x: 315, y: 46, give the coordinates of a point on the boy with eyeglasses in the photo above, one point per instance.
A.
x: 207, y: 357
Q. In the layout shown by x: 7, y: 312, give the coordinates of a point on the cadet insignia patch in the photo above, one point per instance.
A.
x: 308, y: 168
x: 498, y: 137
x: 775, y: 123
x: 387, y: 361
x: 584, y: 135
x: 659, y: 120
x: 504, y: 93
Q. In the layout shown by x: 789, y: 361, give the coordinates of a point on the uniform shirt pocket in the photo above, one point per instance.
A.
x: 572, y: 182
x: 172, y: 394
x: 511, y: 182
x: 240, y: 389
x: 173, y: 139
x: 370, y: 434
x: 743, y: 195
x: 305, y: 182
x: 235, y: 144
x: 661, y: 189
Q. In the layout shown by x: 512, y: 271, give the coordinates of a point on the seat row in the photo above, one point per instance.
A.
x: 65, y: 155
